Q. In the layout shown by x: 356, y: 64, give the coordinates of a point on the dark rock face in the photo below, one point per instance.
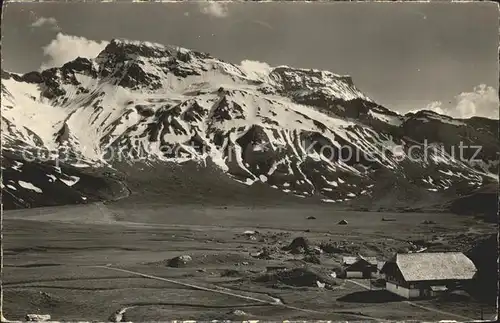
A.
x: 144, y: 110
x: 228, y: 111
x: 32, y: 77
x: 53, y: 92
x: 51, y: 87
x: 134, y: 76
x: 63, y: 134
x: 122, y: 48
x: 119, y: 52
x: 308, y: 78
x: 82, y: 65
x: 194, y: 113
x: 426, y: 126
x: 5, y: 75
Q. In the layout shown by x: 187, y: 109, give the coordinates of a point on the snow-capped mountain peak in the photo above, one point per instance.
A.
x: 286, y: 127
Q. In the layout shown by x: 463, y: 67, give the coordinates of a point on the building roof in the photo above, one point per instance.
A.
x: 425, y: 266
x: 439, y: 288
x: 349, y: 260
x: 370, y: 260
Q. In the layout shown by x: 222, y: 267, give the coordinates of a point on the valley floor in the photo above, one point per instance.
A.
x: 88, y: 262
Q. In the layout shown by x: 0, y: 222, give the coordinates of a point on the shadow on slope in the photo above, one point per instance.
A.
x: 191, y: 183
x: 483, y: 201
x: 28, y: 184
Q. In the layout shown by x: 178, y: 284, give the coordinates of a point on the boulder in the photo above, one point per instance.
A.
x: 238, y: 313
x: 180, y: 261
x: 298, y: 245
x: 37, y: 317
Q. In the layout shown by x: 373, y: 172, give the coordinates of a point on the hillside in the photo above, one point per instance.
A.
x: 166, y: 121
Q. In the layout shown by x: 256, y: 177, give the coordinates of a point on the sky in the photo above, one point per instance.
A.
x: 405, y: 56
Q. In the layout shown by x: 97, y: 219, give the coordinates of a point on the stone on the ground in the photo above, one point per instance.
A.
x: 238, y: 313
x: 179, y: 261
x: 298, y: 245
x: 37, y: 317
x: 118, y: 315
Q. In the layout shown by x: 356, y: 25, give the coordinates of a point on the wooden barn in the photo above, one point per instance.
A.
x: 359, y: 267
x: 426, y: 274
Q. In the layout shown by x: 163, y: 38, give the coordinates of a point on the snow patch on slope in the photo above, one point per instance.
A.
x: 29, y: 186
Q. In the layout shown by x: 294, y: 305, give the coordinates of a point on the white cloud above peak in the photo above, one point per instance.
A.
x: 45, y: 21
x: 481, y: 101
x: 255, y: 69
x: 65, y: 48
x: 436, y: 107
x: 214, y: 8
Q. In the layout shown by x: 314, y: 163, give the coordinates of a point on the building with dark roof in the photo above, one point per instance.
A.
x: 359, y: 267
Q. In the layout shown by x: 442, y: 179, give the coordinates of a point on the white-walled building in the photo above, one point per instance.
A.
x: 427, y: 274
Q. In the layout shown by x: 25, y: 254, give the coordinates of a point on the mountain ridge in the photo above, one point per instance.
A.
x: 286, y: 128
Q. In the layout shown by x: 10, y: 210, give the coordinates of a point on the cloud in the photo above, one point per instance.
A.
x: 65, y: 48
x: 436, y: 107
x: 43, y: 21
x: 214, y: 9
x: 255, y: 69
x: 481, y: 101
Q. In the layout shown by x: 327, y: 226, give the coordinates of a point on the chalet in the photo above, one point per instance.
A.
x: 359, y: 267
x: 426, y: 274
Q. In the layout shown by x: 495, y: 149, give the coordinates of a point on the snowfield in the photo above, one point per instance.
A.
x: 300, y: 130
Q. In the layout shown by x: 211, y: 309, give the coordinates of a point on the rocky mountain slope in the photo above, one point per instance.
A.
x: 130, y: 119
